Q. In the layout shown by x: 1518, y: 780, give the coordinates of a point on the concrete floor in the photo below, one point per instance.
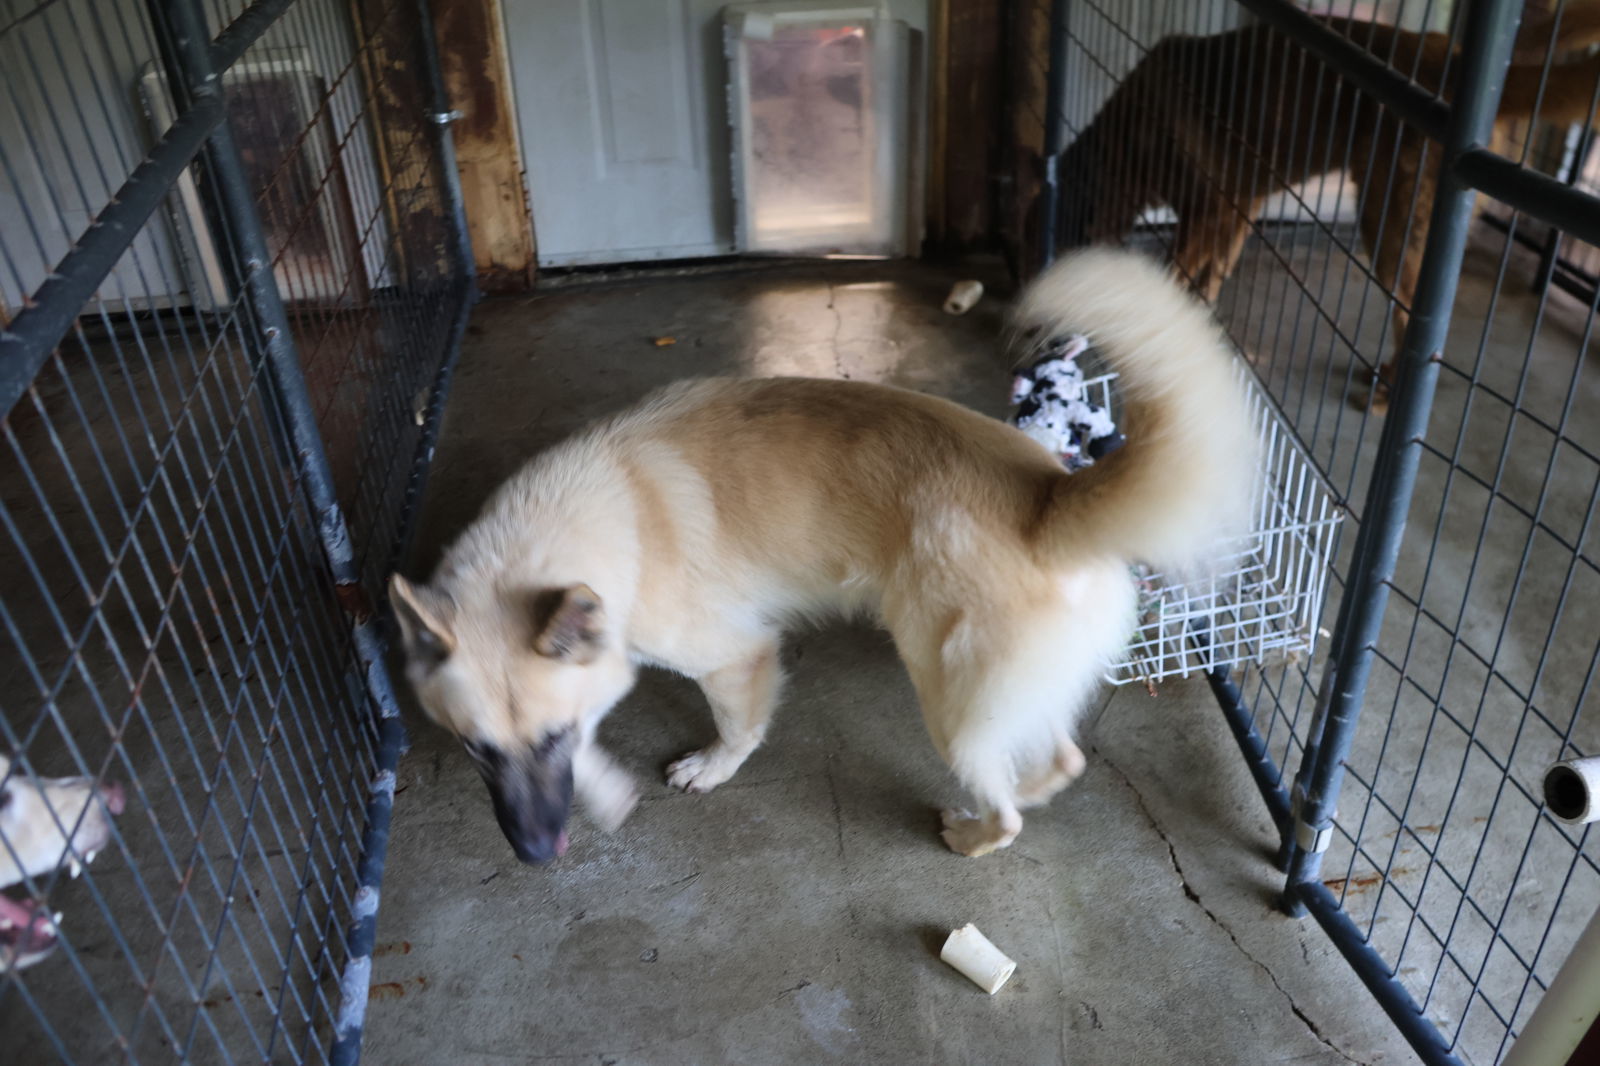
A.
x: 794, y: 915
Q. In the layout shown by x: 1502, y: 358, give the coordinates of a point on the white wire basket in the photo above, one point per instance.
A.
x: 1265, y: 601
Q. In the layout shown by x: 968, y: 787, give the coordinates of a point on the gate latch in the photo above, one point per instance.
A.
x: 1307, y: 837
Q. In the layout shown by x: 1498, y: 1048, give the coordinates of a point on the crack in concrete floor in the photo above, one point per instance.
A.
x: 1194, y: 897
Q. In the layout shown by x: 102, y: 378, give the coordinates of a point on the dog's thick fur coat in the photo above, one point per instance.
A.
x: 687, y: 532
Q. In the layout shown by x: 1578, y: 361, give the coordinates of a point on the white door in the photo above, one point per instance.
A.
x: 624, y: 129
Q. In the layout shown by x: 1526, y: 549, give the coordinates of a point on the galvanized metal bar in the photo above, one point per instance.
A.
x: 189, y: 56
x: 251, y: 263
x: 1374, y: 971
x: 432, y: 419
x: 1550, y: 247
x: 1265, y: 772
x: 245, y: 30
x: 1486, y: 50
x: 37, y: 329
x: 1055, y: 134
x: 361, y: 938
x: 449, y: 176
x: 1372, y: 75
x: 1548, y: 199
x: 168, y: 466
x: 466, y: 265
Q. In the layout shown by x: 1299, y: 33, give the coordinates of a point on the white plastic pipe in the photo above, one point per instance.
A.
x: 1569, y: 1007
x: 1572, y: 790
x: 984, y: 964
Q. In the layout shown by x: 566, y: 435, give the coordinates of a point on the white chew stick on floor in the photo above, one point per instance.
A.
x: 971, y: 952
x: 964, y: 296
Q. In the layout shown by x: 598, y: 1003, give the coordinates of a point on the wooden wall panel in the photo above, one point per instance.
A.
x: 477, y: 75
x: 968, y: 122
x: 1028, y: 64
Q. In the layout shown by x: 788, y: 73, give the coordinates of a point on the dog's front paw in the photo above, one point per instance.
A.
x: 611, y: 805
x: 703, y: 770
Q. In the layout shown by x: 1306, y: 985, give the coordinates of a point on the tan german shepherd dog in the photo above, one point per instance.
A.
x: 687, y: 532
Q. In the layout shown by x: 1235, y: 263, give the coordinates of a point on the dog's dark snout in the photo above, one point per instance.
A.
x: 539, y: 850
x: 537, y: 839
x: 532, y: 793
x: 535, y: 827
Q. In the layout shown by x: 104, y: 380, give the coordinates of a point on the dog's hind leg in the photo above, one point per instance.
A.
x: 1209, y: 241
x: 984, y: 765
x: 965, y: 683
x: 1394, y: 227
x: 1001, y: 685
x: 742, y: 695
x: 978, y: 834
x: 1040, y: 786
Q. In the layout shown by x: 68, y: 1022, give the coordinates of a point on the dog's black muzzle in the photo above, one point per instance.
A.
x: 532, y: 792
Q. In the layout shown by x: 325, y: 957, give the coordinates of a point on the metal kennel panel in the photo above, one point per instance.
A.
x: 1300, y: 284
x: 1402, y: 762
x: 1303, y: 306
x: 233, y: 280
x: 1263, y: 601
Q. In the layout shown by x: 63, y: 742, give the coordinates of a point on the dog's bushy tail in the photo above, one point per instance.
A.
x: 1180, y: 488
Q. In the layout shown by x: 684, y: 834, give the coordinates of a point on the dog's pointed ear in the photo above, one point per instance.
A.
x: 424, y: 615
x: 570, y: 624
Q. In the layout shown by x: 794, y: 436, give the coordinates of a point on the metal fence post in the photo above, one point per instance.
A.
x: 1486, y: 55
x: 442, y: 117
x: 1055, y: 134
x: 193, y: 73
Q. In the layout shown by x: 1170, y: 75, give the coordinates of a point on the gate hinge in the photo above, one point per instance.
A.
x: 442, y: 118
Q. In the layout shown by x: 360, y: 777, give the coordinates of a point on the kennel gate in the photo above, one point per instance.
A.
x: 1442, y: 879
x: 233, y: 281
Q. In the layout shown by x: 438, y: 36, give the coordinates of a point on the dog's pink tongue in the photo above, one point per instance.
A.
x: 15, y: 915
x: 561, y: 843
x: 25, y: 927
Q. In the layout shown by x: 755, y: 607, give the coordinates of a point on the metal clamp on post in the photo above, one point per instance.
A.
x: 1307, y: 837
x: 1311, y: 840
x: 444, y: 118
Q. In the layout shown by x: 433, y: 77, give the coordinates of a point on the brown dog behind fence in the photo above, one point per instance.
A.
x: 1174, y: 132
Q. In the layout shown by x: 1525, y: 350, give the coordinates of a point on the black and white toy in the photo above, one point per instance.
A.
x: 1053, y: 406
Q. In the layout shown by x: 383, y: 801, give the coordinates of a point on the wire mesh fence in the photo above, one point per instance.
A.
x: 231, y: 282
x: 1262, y: 600
x: 1287, y: 162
